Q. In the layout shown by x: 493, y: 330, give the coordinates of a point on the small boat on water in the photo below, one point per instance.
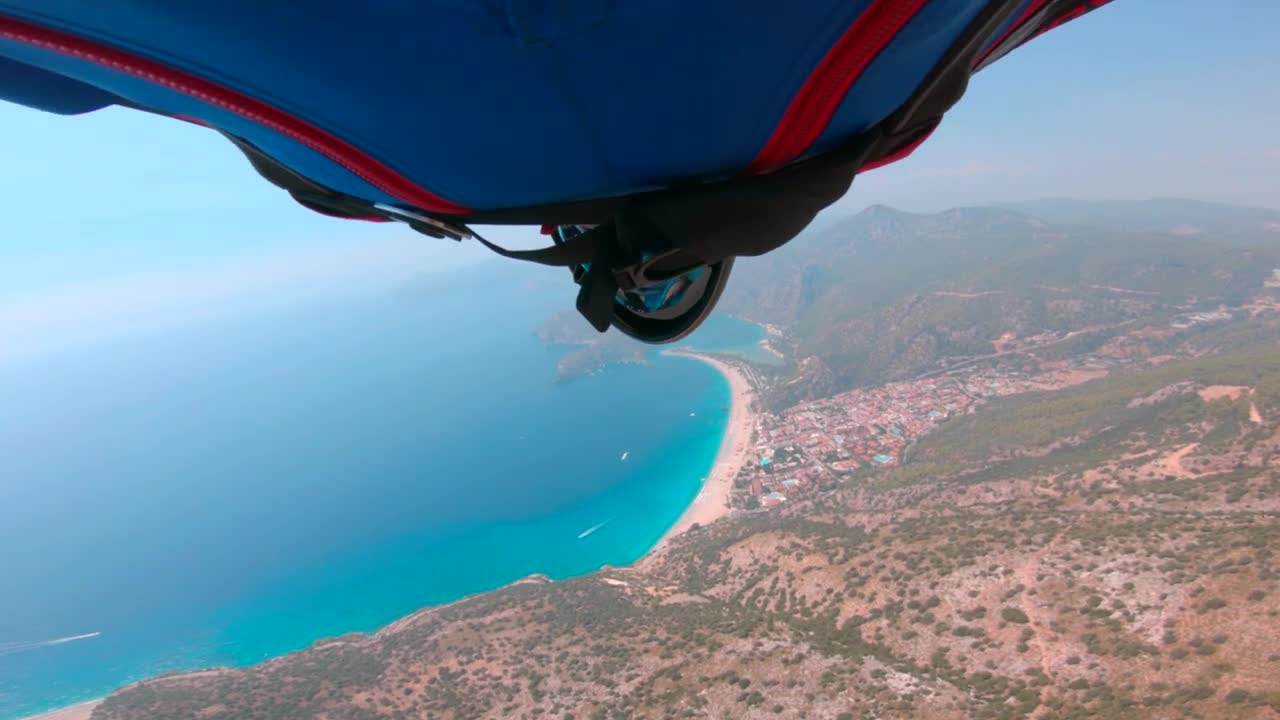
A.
x: 593, y: 528
x: 625, y: 454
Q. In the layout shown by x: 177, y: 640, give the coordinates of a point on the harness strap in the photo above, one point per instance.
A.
x: 598, y: 249
x: 576, y: 250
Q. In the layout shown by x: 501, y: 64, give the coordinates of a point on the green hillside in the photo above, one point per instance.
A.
x: 887, y: 294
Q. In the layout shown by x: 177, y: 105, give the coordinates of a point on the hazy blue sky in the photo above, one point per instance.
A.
x: 117, y: 214
x: 1141, y: 98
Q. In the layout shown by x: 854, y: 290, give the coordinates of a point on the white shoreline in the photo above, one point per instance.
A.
x: 712, y: 501
x: 80, y: 711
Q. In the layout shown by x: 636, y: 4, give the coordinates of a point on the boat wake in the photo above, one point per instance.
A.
x: 11, y: 648
x: 593, y: 528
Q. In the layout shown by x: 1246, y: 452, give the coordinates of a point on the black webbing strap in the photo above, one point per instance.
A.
x: 598, y: 247
x: 598, y: 286
x: 576, y: 250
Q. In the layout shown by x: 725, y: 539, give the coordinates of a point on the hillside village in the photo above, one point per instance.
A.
x: 814, y: 444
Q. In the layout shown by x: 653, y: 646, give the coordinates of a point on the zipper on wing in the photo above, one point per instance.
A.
x: 1040, y: 15
x: 331, y: 146
x: 821, y: 95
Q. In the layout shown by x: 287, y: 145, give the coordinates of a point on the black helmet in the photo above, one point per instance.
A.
x: 658, y: 305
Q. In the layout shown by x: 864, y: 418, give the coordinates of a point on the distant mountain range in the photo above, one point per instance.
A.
x: 1224, y: 224
x: 887, y: 294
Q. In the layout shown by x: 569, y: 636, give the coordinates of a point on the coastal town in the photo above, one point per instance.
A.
x: 817, y: 440
x: 814, y: 444
x: 808, y: 445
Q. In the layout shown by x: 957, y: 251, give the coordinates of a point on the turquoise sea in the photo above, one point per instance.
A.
x: 223, y: 492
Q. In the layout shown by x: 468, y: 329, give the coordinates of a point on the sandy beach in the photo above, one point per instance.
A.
x: 75, y: 712
x: 712, y: 502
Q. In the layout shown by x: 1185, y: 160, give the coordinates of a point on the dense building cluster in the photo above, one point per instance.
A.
x: 797, y: 449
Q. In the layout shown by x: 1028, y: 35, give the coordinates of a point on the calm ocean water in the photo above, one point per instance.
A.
x: 232, y: 491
